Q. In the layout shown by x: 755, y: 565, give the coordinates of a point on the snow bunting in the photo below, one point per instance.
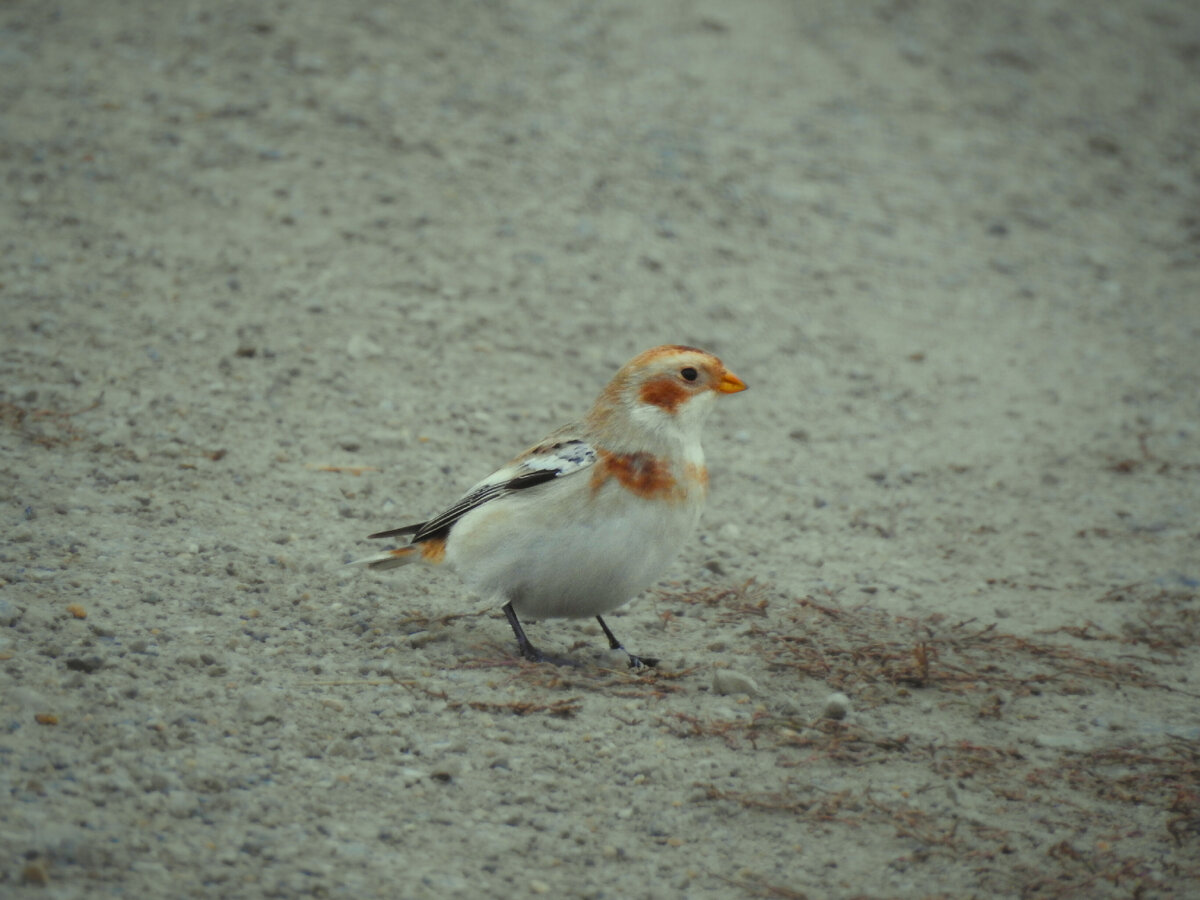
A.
x: 581, y: 522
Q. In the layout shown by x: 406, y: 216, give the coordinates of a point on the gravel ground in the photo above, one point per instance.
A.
x: 275, y: 276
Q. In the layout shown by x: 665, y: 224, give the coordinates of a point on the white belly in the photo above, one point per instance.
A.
x: 584, y: 555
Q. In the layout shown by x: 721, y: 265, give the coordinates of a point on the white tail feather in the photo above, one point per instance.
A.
x: 390, y: 559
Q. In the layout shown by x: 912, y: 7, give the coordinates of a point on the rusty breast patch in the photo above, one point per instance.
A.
x: 644, y: 475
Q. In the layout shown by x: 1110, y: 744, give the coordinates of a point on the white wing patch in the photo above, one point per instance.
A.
x: 562, y: 457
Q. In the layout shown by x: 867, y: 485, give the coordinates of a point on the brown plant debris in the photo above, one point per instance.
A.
x: 1168, y: 779
x: 858, y: 649
x: 846, y: 807
x: 750, y: 598
x: 45, y: 427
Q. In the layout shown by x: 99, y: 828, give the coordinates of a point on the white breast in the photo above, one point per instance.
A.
x: 564, y: 550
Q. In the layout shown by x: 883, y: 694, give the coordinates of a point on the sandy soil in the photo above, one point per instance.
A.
x: 274, y: 276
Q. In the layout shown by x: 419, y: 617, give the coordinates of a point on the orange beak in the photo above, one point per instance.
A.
x: 730, y: 384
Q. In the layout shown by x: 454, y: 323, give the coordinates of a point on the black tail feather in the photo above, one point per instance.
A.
x: 403, y: 529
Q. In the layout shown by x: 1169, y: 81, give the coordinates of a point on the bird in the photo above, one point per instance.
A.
x: 587, y: 518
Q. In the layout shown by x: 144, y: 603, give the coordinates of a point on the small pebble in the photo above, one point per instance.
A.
x: 790, y: 707
x: 411, y: 776
x: 728, y: 533
x: 1062, y: 742
x: 8, y: 612
x: 423, y: 638
x: 87, y: 664
x: 362, y: 347
x: 180, y: 804
x: 258, y: 704
x: 727, y: 681
x: 836, y: 706
x: 446, y: 770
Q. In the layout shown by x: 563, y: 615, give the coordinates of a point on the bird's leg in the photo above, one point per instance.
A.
x: 635, y: 662
x: 530, y: 652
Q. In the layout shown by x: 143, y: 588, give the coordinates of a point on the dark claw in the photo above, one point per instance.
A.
x: 641, y: 662
x: 533, y: 654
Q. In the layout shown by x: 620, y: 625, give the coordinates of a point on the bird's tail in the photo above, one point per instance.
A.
x: 389, y: 559
x: 432, y: 550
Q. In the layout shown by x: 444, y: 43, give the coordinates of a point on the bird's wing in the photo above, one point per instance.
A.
x: 557, y: 457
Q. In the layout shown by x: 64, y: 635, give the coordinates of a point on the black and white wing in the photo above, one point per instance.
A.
x: 558, y: 457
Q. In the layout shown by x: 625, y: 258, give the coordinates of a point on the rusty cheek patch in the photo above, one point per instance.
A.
x: 433, y: 550
x: 639, y: 473
x: 697, y: 475
x: 665, y: 393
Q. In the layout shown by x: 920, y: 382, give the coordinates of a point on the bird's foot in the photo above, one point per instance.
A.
x: 635, y: 662
x: 640, y: 662
x: 533, y: 654
x: 525, y: 646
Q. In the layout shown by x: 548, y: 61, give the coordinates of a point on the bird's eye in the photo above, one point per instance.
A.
x: 689, y: 374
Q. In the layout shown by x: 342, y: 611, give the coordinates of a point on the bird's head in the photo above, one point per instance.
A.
x: 666, y: 392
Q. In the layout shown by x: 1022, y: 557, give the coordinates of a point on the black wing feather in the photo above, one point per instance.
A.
x: 403, y: 529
